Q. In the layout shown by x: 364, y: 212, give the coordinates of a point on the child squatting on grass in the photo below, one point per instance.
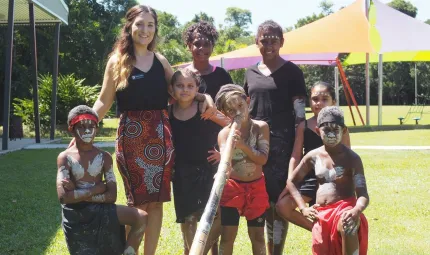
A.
x: 244, y: 193
x: 307, y: 138
x: 339, y: 225
x: 91, y: 221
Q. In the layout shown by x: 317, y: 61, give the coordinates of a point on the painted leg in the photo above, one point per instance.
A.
x: 276, y: 229
x: 136, y: 219
x: 256, y: 235
x: 188, y: 231
x: 228, y: 235
x: 152, y: 232
x: 286, y: 208
x: 350, y: 244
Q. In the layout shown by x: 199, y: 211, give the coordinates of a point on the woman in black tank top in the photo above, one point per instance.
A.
x: 322, y: 94
x: 139, y: 77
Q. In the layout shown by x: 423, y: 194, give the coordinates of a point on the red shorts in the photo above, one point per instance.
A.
x: 250, y: 198
x: 325, y: 238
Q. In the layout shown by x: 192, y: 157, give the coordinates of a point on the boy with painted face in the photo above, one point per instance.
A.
x: 91, y: 221
x: 244, y: 193
x: 339, y: 225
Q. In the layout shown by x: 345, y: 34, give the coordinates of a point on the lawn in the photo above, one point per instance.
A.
x: 398, y: 213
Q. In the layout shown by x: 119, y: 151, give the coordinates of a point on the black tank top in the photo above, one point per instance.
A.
x: 145, y: 90
x: 193, y: 138
x: 311, y: 139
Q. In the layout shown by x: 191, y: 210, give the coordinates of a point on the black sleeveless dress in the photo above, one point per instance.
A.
x: 193, y: 175
x: 311, y: 141
x: 144, y: 148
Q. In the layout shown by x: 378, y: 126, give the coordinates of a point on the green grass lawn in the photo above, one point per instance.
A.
x: 398, y: 213
x: 387, y: 138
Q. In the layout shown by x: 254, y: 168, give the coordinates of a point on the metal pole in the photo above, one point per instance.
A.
x: 222, y: 62
x: 55, y: 82
x: 34, y: 58
x: 381, y: 77
x: 416, y: 85
x: 8, y: 74
x: 367, y: 75
x: 336, y: 84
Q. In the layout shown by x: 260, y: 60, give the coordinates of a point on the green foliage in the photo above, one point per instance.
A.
x: 404, y: 6
x: 70, y: 93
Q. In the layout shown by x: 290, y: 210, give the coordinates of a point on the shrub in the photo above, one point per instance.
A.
x: 70, y: 93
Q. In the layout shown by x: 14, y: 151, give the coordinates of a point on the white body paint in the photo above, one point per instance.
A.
x: 110, y: 176
x: 355, y: 252
x: 64, y: 173
x: 100, y: 198
x: 95, y: 167
x: 79, y: 193
x: 299, y: 108
x: 359, y: 181
x: 329, y: 175
x: 77, y: 169
x: 129, y: 251
x: 278, y: 230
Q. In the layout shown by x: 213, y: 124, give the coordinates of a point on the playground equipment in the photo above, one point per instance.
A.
x: 416, y: 111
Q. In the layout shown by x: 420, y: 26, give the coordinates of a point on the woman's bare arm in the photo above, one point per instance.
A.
x: 107, y: 93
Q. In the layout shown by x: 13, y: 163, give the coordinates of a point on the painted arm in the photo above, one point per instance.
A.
x: 360, y: 185
x: 107, y: 93
x: 219, y: 118
x: 258, y: 156
x: 77, y: 195
x: 297, y: 153
x: 296, y: 177
x: 109, y: 196
x: 299, y: 108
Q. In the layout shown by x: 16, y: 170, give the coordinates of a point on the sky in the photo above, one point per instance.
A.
x: 285, y: 12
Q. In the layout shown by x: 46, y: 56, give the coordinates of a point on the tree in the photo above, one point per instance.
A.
x: 404, y: 6
x: 326, y: 7
x: 238, y: 17
x: 202, y: 16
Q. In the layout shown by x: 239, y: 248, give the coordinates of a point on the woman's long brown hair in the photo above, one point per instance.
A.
x: 124, y: 49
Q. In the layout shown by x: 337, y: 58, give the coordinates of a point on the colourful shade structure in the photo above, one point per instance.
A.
x: 397, y: 36
x: 317, y: 43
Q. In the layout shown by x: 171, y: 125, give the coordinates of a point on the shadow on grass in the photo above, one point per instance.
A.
x: 30, y: 212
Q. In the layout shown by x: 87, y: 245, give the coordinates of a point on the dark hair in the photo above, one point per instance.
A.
x: 331, y: 114
x: 271, y: 25
x: 124, y: 48
x: 202, y: 27
x: 327, y: 86
x: 185, y: 72
x: 78, y: 110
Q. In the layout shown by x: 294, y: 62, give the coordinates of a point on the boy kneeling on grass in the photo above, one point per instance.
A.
x: 91, y: 221
x: 338, y: 224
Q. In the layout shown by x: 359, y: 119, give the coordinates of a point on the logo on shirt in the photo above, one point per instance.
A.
x: 137, y: 76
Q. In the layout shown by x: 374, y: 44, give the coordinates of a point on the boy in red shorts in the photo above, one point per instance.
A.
x: 339, y: 225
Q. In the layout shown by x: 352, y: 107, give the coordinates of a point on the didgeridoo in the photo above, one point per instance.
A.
x: 202, y: 233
